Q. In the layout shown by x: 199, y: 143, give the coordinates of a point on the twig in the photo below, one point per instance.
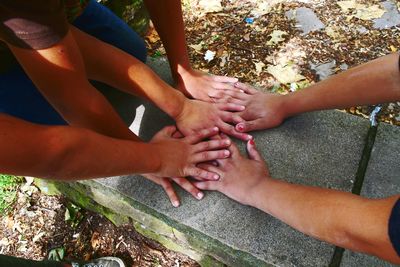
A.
x: 241, y: 48
x: 233, y: 24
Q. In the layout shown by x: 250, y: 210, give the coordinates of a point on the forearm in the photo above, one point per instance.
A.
x: 340, y: 218
x: 126, y: 73
x: 69, y: 153
x: 168, y: 21
x: 374, y: 82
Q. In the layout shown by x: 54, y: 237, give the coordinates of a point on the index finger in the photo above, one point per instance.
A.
x: 224, y: 79
x: 230, y: 130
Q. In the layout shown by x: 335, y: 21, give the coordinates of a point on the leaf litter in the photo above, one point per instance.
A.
x: 349, y: 39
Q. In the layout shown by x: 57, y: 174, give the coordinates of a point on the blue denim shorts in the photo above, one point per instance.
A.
x: 20, y: 98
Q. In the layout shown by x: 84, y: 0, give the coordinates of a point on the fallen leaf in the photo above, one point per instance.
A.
x: 332, y: 32
x: 224, y: 58
x: 209, y: 6
x: 95, y: 240
x: 368, y: 13
x: 393, y: 48
x: 276, y: 37
x: 347, y: 5
x: 285, y: 74
x: 362, y: 11
x: 209, y: 55
x: 259, y: 66
x: 37, y: 237
x: 197, y: 47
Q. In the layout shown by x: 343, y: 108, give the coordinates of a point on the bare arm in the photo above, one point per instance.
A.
x: 72, y: 153
x: 124, y: 72
x: 340, y: 218
x: 167, y: 18
x: 377, y: 81
x: 67, y: 152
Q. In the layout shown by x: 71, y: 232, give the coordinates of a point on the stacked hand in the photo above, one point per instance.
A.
x: 205, y: 87
x: 244, y: 106
x: 197, y: 115
x: 180, y: 156
x: 263, y: 110
x: 240, y: 177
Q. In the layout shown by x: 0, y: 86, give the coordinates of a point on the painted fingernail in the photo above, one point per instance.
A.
x: 226, y: 153
x: 200, y: 195
x: 240, y: 127
x: 252, y: 142
x: 175, y: 203
x: 215, y: 176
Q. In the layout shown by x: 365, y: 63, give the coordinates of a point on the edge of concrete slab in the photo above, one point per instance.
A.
x: 172, y: 234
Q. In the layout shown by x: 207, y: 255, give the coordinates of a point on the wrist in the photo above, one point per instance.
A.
x: 175, y: 104
x: 260, y: 193
x: 154, y: 158
x: 290, y: 105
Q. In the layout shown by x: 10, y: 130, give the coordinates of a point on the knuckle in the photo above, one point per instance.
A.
x: 205, y: 155
x: 205, y: 145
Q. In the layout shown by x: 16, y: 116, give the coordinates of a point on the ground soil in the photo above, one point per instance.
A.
x: 37, y: 224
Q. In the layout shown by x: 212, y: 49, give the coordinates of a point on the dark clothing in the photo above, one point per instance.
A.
x: 31, y: 24
x: 394, y: 227
x: 18, y: 95
x: 19, y: 262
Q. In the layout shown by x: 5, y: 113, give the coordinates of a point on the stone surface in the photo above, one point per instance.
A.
x: 390, y: 18
x: 306, y: 19
x: 383, y: 173
x: 324, y: 70
x: 382, y: 179
x: 303, y: 150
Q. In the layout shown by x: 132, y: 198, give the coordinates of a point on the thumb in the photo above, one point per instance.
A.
x: 169, y: 130
x: 252, y: 151
x: 248, y: 126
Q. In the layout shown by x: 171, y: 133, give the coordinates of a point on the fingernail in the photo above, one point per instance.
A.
x: 226, y: 152
x: 242, y: 107
x: 216, y: 177
x: 200, y: 195
x: 215, y: 129
x: 227, y: 142
x: 240, y: 127
x: 249, y: 137
x: 252, y: 142
x: 241, y: 91
x: 175, y: 204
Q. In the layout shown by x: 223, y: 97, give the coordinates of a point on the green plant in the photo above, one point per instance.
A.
x: 8, y: 191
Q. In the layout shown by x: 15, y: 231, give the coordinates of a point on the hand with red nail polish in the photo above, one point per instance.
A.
x: 238, y: 175
x: 263, y: 110
x: 197, y: 115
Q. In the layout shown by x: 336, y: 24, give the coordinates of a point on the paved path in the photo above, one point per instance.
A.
x: 320, y: 148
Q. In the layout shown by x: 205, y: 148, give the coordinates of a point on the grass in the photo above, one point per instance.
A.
x: 8, y: 191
